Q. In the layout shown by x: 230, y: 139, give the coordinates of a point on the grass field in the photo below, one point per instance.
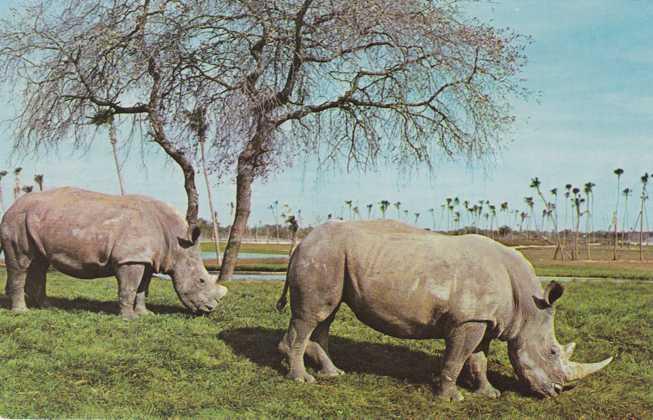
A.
x: 262, y: 248
x: 78, y: 359
x: 601, y: 265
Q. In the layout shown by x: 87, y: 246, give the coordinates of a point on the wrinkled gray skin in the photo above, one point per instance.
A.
x: 410, y: 283
x: 88, y: 235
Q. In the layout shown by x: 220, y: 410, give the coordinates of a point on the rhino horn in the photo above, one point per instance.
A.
x: 580, y: 370
x: 568, y: 350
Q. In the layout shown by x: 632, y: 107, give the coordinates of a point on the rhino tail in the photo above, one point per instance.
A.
x: 283, y: 300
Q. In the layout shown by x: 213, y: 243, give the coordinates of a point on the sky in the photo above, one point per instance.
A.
x: 590, y: 65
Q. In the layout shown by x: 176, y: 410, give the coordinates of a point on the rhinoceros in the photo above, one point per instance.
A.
x: 411, y: 283
x: 88, y: 235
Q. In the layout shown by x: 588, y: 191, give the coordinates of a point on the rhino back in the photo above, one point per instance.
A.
x: 86, y: 234
x: 412, y: 283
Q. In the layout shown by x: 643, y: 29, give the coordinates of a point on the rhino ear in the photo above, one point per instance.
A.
x: 552, y: 292
x: 194, y: 232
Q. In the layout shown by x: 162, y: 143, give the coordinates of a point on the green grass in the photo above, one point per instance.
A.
x: 594, y: 271
x: 78, y: 359
x: 260, y: 248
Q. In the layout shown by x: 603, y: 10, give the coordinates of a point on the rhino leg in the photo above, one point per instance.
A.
x: 15, y: 288
x: 294, y: 343
x: 476, y: 371
x: 129, y: 278
x: 460, y: 344
x: 35, y: 284
x: 318, y: 348
x: 141, y: 294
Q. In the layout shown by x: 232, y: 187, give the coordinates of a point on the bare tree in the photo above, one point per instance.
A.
x: 356, y: 80
x: 360, y: 81
x: 76, y: 59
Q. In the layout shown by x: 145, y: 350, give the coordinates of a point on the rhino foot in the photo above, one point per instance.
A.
x: 20, y: 310
x: 450, y: 394
x: 301, y: 377
x: 488, y: 391
x: 324, y: 373
x: 130, y: 316
x: 143, y: 311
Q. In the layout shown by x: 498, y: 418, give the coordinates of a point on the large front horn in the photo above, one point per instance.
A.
x: 580, y: 370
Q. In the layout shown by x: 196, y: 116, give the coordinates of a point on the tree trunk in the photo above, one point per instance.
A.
x: 113, y: 138
x: 186, y: 168
x: 244, y: 181
x: 214, y: 214
x: 160, y: 137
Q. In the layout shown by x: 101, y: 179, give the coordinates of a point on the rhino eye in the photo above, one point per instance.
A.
x: 202, y: 281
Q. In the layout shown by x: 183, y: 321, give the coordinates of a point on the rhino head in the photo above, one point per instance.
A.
x: 197, y: 289
x: 540, y: 362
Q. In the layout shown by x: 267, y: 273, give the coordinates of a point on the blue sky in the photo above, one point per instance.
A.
x: 591, y: 64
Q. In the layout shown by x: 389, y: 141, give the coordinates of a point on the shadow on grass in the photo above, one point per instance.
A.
x: 97, y: 306
x: 416, y: 367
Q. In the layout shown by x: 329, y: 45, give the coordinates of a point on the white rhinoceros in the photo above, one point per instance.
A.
x: 411, y: 283
x: 88, y: 235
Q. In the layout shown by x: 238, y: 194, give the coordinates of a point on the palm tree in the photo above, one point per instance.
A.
x: 406, y: 215
x: 383, y: 206
x: 535, y: 183
x: 2, y: 202
x: 553, y: 215
x: 503, y: 209
x: 531, y: 206
x: 369, y: 210
x: 626, y: 192
x: 39, y: 181
x: 277, y: 224
x: 643, y: 199
x: 106, y: 117
x: 17, y: 187
x: 355, y: 212
x: 198, y: 125
x: 449, y: 211
x: 27, y: 189
x: 615, y: 218
x: 416, y: 217
x: 293, y: 227
x: 577, y: 200
x: 397, y: 205
x: 568, y: 206
x: 588, y: 189
x: 432, y: 211
x: 522, y: 217
x: 348, y: 204
x: 493, y: 215
x: 466, y: 206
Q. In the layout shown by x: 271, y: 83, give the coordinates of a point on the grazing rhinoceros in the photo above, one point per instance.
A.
x: 411, y: 283
x: 88, y: 235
